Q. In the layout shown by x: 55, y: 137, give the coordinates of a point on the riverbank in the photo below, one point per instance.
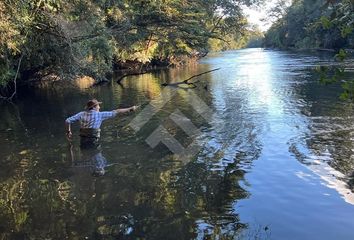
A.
x: 120, y: 70
x: 348, y: 50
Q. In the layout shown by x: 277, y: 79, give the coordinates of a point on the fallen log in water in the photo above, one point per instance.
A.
x: 188, y: 79
x: 131, y: 74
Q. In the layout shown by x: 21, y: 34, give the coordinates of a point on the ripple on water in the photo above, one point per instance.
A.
x: 326, y: 150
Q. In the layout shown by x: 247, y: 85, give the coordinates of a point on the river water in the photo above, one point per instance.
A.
x: 272, y: 156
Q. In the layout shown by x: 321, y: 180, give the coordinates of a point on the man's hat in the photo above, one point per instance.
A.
x: 92, y: 103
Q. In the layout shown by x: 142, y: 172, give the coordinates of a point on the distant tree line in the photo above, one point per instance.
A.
x: 308, y: 24
x: 89, y: 37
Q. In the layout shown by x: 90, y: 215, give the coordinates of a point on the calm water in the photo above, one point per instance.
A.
x: 276, y: 157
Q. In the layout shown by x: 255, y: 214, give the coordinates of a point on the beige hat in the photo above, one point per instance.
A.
x: 92, y: 103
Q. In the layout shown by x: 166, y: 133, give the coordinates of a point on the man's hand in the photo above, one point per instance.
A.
x: 69, y: 136
x: 126, y: 110
x: 133, y: 108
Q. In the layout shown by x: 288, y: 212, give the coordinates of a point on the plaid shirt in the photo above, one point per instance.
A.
x: 91, y: 119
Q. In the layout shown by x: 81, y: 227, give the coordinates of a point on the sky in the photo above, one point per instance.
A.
x: 255, y: 16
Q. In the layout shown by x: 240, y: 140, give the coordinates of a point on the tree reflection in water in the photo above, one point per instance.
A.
x: 173, y: 201
x: 127, y: 190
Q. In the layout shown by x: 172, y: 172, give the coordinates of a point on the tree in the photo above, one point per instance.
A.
x: 307, y: 24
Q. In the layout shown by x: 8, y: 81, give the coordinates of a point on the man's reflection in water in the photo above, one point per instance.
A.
x: 97, y: 160
x: 91, y: 157
x: 88, y: 191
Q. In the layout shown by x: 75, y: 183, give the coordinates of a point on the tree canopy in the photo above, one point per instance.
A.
x: 88, y: 37
x: 312, y: 24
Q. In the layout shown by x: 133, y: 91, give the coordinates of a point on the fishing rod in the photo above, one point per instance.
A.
x: 159, y: 109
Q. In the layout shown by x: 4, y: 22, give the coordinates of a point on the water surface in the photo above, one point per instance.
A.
x: 275, y: 159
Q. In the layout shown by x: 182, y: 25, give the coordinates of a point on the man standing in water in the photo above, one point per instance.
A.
x: 90, y: 122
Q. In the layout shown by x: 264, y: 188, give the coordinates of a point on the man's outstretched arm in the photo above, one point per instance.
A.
x: 125, y: 110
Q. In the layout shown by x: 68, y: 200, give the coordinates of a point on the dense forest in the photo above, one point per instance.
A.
x: 56, y: 39
x: 312, y: 24
x: 66, y: 39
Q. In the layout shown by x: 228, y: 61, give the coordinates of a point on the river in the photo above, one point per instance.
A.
x: 257, y: 150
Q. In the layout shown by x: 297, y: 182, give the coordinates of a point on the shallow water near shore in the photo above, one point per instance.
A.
x: 275, y: 157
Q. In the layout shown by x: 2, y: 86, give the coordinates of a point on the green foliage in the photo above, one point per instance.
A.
x: 229, y: 42
x: 330, y: 75
x: 6, y: 72
x: 255, y: 37
x: 326, y: 23
x: 348, y: 93
x: 341, y: 55
x: 314, y: 24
